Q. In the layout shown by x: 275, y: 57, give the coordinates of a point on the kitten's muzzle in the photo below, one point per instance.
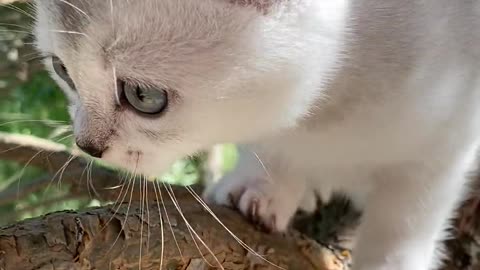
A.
x: 91, y: 149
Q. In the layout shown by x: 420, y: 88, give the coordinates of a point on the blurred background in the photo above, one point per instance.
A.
x: 32, y: 104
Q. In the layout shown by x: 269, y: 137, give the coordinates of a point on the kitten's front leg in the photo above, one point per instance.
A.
x: 262, y: 189
x: 405, y: 217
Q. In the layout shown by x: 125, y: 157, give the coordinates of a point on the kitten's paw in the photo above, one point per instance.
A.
x: 262, y: 201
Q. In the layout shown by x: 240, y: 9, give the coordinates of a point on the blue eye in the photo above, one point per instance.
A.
x: 145, y: 99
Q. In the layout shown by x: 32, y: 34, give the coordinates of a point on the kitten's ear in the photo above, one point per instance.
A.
x: 261, y: 5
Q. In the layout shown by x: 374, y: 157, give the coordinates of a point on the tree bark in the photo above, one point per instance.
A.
x: 129, y: 238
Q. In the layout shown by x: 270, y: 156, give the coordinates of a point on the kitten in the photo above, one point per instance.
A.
x: 376, y: 98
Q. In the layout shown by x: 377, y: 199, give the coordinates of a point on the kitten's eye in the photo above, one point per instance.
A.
x: 62, y: 71
x: 144, y: 99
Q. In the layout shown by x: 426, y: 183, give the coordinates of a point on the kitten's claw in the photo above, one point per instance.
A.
x: 263, y: 202
x: 253, y: 211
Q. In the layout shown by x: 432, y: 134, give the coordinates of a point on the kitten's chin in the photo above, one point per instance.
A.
x: 137, y: 163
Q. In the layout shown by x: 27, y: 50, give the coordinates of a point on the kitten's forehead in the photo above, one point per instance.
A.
x: 71, y: 15
x: 160, y: 42
x: 131, y: 19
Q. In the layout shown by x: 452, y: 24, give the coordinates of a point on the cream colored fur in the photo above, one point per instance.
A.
x: 376, y: 98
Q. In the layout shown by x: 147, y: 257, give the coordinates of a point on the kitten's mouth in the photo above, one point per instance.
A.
x: 134, y: 160
x: 134, y: 153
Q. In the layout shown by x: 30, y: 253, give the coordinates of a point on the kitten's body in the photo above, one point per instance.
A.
x: 377, y: 98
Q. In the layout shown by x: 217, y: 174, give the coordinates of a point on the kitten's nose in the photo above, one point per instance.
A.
x: 91, y: 149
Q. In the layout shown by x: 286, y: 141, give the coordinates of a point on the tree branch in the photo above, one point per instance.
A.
x: 55, y: 158
x: 129, y: 238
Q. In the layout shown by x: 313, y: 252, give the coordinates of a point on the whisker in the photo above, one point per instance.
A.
x: 142, y: 210
x: 19, y: 10
x: 77, y: 9
x: 24, y: 168
x: 114, y: 187
x: 177, y: 206
x: 16, y: 31
x: 16, y: 25
x: 78, y: 33
x: 118, y: 199
x: 169, y: 223
x: 243, y: 244
x: 263, y: 166
x: 11, y: 149
x: 128, y: 208
x: 60, y: 170
x: 88, y: 184
x: 117, y: 94
x: 31, y: 56
x: 148, y: 214
x: 161, y: 226
x: 112, y: 16
x: 64, y: 167
x: 190, y: 230
x: 32, y: 121
x: 69, y: 32
x: 90, y: 179
x: 65, y: 137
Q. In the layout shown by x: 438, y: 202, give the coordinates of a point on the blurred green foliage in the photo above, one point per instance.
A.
x: 36, y: 106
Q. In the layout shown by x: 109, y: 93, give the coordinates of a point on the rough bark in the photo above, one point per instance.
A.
x: 130, y: 238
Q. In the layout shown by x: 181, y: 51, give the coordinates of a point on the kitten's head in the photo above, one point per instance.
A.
x: 151, y: 81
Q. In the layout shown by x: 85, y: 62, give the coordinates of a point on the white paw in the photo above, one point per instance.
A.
x: 264, y: 202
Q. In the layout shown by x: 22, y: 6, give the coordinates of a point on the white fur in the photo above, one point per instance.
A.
x: 379, y: 99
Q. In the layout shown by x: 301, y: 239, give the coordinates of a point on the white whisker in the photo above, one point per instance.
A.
x: 16, y: 25
x: 161, y: 226
x: 117, y: 94
x: 19, y: 10
x: 118, y: 199
x: 128, y: 207
x: 22, y: 171
x: 77, y: 9
x: 142, y: 209
x: 148, y: 215
x: 16, y: 31
x: 169, y: 223
x: 32, y: 121
x: 263, y: 166
x: 177, y: 206
x: 60, y: 171
x: 112, y: 16
x: 243, y: 244
x: 77, y: 33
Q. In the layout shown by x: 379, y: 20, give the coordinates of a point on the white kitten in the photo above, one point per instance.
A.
x: 377, y: 98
